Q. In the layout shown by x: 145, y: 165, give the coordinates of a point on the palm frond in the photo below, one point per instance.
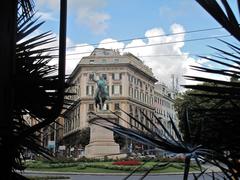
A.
x: 26, y: 7
x: 227, y: 20
x: 154, y: 139
x: 36, y: 90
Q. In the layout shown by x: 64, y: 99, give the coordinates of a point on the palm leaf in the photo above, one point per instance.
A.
x: 154, y: 139
x: 228, y: 21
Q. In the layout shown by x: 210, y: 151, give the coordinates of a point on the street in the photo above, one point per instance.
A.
x: 118, y: 177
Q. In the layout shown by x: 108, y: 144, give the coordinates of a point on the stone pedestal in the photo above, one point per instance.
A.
x: 101, y: 140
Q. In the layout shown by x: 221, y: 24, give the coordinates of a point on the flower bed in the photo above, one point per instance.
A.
x: 127, y: 163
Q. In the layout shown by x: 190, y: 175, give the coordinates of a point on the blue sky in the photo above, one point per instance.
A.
x: 94, y: 21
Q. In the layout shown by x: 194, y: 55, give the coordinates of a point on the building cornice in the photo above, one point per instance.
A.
x: 116, y: 65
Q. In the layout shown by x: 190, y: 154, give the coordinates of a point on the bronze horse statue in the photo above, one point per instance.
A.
x: 101, y: 93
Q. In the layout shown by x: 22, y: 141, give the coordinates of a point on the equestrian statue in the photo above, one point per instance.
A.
x: 101, y: 94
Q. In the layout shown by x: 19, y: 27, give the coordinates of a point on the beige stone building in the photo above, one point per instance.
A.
x: 164, y: 98
x: 130, y: 84
x: 52, y: 135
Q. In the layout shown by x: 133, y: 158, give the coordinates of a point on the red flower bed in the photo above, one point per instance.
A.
x: 127, y: 163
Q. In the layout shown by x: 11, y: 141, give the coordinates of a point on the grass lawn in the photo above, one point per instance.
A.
x: 105, y: 169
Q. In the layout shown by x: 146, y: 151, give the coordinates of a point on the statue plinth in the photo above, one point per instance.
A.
x: 101, y: 139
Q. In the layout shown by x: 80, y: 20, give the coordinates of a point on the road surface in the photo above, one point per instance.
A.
x: 117, y: 177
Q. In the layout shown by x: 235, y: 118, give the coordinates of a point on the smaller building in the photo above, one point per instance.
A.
x: 53, y: 135
x: 164, y: 99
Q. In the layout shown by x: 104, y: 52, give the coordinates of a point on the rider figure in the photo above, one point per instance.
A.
x: 101, y: 92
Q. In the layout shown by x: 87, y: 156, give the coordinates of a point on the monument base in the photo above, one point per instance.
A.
x: 99, y: 150
x: 101, y: 139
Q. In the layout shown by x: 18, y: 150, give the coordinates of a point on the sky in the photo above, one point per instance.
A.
x: 94, y: 23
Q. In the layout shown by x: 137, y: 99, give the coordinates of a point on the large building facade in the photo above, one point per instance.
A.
x: 131, y: 87
x: 130, y: 84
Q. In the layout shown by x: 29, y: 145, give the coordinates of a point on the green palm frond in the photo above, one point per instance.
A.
x: 36, y: 89
x: 152, y: 137
x: 25, y: 7
x: 225, y: 16
x: 225, y: 93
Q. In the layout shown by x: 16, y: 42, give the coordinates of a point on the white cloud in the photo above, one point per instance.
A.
x: 164, y: 59
x: 111, y: 44
x: 87, y: 13
x: 75, y: 55
x: 46, y: 16
x: 158, y: 57
x: 90, y: 13
x: 200, y: 63
x: 96, y: 21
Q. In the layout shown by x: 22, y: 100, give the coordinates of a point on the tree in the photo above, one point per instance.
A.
x: 206, y: 129
x: 84, y: 137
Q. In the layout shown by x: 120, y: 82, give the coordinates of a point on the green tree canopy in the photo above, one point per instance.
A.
x: 209, y: 121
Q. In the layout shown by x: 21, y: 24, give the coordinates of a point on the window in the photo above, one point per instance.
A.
x: 151, y: 90
x: 142, y: 116
x: 136, y: 113
x: 151, y: 101
x: 116, y: 106
x: 116, y: 60
x: 135, y: 93
x: 130, y: 91
x: 52, y: 135
x: 91, y: 61
x: 141, y: 96
x: 106, y: 53
x: 116, y: 89
x: 140, y: 83
x: 89, y: 90
x: 90, y: 107
x: 104, y: 76
x: 116, y: 76
x: 135, y: 80
x: 131, y: 109
x: 104, y: 60
x: 91, y: 77
x: 131, y: 122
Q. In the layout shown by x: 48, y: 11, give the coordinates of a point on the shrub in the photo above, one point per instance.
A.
x: 81, y: 166
x: 61, y: 165
x: 127, y: 163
